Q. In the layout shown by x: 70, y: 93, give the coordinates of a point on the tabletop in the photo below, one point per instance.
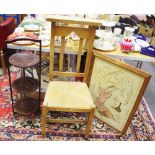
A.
x: 129, y: 56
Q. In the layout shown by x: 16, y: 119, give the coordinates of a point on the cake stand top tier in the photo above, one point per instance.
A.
x: 24, y: 60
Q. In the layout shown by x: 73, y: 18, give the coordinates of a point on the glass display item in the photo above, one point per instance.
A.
x: 117, y: 35
x: 128, y: 32
x: 107, y: 38
x: 108, y: 25
x: 22, y: 88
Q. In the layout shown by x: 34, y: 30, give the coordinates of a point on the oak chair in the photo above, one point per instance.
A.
x: 67, y: 96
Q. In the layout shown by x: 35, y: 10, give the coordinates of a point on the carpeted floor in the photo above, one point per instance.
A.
x: 16, y: 128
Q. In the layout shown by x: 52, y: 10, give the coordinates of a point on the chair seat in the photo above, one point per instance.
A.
x: 69, y: 95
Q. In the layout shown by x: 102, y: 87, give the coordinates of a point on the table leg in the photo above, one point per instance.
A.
x: 73, y: 64
x: 139, y: 64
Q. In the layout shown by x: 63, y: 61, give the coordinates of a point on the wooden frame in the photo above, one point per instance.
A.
x: 107, y: 96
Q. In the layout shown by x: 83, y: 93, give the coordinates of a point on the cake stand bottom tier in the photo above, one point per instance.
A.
x: 26, y: 106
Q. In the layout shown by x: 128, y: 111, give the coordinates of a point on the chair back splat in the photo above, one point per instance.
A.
x: 64, y: 29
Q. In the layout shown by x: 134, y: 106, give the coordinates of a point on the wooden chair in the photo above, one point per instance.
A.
x: 6, y: 28
x: 68, y: 96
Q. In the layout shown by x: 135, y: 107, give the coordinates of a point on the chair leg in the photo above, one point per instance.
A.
x: 89, y: 123
x: 44, y: 114
x: 3, y: 63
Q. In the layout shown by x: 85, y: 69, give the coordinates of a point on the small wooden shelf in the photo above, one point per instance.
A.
x: 25, y: 85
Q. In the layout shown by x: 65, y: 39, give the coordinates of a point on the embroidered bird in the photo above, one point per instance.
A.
x: 103, y: 96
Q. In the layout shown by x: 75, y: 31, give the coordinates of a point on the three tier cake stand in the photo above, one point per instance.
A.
x: 23, y: 87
